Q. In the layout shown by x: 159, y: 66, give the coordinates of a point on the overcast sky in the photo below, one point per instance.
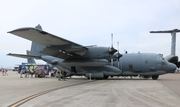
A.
x: 91, y: 22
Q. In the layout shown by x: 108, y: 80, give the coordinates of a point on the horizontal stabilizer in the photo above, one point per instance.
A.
x: 166, y: 31
x: 173, y: 40
x: 24, y: 56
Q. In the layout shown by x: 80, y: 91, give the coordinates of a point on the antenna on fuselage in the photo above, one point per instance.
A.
x: 173, y: 40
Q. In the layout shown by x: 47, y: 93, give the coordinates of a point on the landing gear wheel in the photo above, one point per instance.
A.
x: 155, y: 77
x: 90, y: 78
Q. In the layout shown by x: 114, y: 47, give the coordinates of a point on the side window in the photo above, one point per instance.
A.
x: 146, y: 61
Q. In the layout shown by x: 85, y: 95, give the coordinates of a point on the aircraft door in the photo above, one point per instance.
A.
x: 73, y: 69
x: 145, y: 63
x: 150, y: 62
x: 130, y: 65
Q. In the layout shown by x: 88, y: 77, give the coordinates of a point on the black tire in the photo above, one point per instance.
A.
x: 90, y: 78
x: 155, y: 77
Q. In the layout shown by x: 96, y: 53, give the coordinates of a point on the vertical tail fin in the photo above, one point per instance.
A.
x: 30, y: 60
x: 38, y: 27
x: 172, y: 57
x: 173, y: 40
x: 35, y: 47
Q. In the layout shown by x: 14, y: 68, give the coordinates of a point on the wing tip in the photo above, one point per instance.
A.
x: 9, y: 54
x: 21, y: 29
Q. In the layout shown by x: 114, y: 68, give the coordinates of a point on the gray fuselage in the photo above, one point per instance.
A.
x: 144, y: 64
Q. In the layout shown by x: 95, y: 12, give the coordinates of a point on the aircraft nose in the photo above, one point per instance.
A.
x: 171, y: 68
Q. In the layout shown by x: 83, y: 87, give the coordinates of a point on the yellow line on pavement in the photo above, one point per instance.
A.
x: 41, y: 93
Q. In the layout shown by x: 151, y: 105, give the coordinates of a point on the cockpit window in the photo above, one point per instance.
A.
x: 160, y: 57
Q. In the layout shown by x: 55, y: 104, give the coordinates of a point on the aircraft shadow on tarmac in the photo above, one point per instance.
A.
x: 114, y: 78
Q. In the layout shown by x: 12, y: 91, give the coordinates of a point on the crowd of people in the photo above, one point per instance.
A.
x: 39, y: 73
x: 42, y: 74
x: 4, y: 71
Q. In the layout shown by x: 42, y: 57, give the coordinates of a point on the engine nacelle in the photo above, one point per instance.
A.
x: 98, y: 75
x: 101, y: 72
x: 97, y: 53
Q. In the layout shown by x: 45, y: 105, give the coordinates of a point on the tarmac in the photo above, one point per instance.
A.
x: 80, y: 92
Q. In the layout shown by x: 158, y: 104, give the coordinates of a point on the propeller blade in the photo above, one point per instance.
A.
x: 118, y: 55
x: 111, y: 49
x: 118, y: 46
x: 118, y: 63
x: 111, y: 40
x: 111, y: 61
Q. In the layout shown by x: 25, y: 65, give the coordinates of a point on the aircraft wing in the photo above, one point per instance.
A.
x: 24, y: 56
x: 54, y: 44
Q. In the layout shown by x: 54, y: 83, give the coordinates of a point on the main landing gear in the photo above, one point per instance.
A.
x: 105, y: 77
x: 155, y: 77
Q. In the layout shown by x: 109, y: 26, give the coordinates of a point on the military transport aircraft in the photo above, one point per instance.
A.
x: 91, y: 61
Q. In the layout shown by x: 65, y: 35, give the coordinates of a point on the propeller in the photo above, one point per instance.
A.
x: 118, y: 55
x: 112, y: 50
